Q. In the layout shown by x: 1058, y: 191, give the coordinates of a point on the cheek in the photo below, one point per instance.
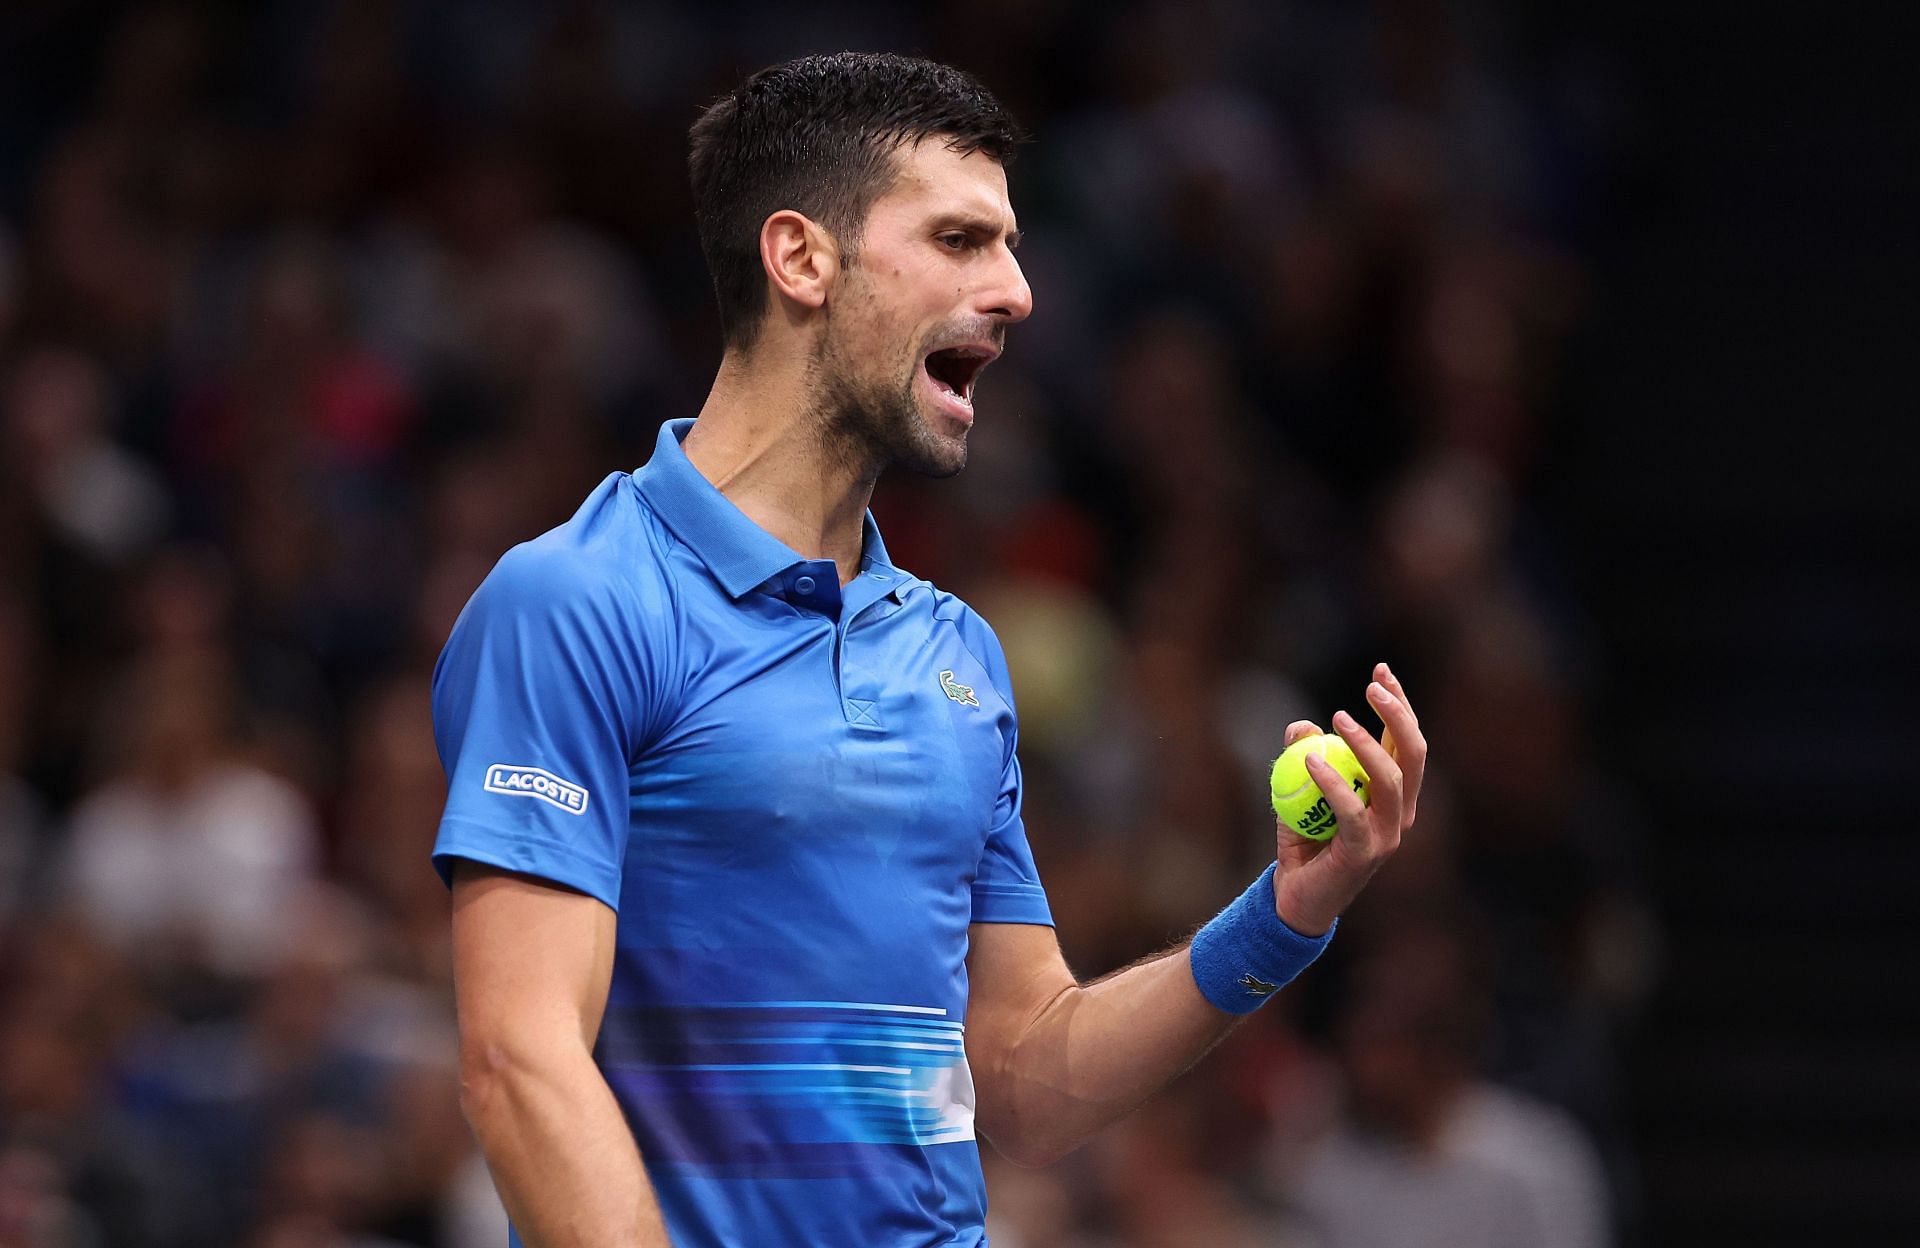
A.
x: 875, y: 340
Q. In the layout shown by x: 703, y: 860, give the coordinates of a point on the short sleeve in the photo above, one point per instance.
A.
x: 1006, y: 888
x: 535, y: 717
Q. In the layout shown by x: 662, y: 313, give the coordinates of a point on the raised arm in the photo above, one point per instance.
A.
x: 531, y: 964
x: 1055, y: 1060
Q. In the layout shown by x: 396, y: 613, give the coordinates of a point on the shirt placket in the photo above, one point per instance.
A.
x: 864, y: 599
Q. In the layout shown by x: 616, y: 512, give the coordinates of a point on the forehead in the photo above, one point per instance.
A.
x: 931, y: 179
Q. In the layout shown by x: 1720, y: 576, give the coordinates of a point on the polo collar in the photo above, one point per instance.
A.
x: 741, y: 555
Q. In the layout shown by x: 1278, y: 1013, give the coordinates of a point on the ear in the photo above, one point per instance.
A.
x: 801, y: 259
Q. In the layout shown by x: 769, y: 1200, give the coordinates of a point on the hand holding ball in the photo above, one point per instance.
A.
x: 1298, y: 800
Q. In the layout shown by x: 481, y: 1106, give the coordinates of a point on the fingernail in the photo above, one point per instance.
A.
x: 1345, y: 720
x: 1378, y: 692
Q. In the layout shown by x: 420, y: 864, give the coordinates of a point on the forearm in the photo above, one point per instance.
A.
x: 1096, y: 1051
x: 559, y: 1149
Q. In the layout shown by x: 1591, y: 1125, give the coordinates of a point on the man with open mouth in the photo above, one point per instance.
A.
x: 748, y: 939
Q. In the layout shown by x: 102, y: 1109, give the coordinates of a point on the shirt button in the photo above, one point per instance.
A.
x: 804, y: 585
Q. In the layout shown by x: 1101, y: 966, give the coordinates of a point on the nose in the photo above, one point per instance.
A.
x: 1008, y: 296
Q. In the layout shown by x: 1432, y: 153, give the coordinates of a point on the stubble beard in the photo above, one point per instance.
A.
x: 870, y: 424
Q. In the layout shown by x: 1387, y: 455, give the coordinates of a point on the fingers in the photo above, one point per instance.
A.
x: 1365, y: 836
x: 1302, y: 728
x: 1318, y: 882
x: 1384, y: 674
x: 1402, y: 736
x: 1390, y: 700
x: 1384, y: 779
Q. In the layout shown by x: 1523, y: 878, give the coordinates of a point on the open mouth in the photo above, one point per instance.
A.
x: 953, y: 370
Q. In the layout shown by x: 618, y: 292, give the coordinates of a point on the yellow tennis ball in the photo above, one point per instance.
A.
x: 1298, y: 800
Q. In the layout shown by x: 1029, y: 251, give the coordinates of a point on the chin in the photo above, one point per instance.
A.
x: 883, y: 425
x: 929, y: 443
x: 950, y: 465
x: 932, y: 454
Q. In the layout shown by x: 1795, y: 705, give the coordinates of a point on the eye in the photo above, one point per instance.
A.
x: 953, y: 240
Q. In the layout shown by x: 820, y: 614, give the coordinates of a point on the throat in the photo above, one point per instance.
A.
x: 807, y: 489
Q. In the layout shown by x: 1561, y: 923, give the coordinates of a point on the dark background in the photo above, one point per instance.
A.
x: 1555, y: 356
x: 1751, y: 561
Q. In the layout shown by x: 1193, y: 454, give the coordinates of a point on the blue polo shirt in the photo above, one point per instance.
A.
x: 796, y: 795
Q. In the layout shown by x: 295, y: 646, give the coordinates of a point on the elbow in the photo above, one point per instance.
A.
x: 1032, y: 1141
x: 503, y: 1067
x: 1034, y: 1152
x: 489, y: 1065
x: 1028, y: 1109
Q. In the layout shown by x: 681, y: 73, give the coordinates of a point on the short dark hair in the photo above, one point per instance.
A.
x: 817, y: 135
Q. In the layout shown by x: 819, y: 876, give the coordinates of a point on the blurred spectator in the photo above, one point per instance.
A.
x: 1423, y: 1151
x: 35, y: 1210
x: 393, y: 792
x: 97, y: 499
x: 189, y: 855
x: 295, y: 384
x: 70, y: 1169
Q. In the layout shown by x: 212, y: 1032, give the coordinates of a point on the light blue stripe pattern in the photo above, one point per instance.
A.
x: 870, y: 1073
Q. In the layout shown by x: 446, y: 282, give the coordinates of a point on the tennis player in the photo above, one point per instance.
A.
x: 748, y: 941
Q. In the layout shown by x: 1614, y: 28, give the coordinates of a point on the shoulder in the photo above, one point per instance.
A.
x: 609, y: 557
x: 586, y: 610
x: 592, y: 599
x: 975, y: 633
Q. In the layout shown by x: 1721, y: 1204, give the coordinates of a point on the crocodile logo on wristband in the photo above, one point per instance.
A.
x: 1257, y: 987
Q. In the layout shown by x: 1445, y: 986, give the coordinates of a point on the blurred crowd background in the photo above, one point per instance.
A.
x: 308, y: 311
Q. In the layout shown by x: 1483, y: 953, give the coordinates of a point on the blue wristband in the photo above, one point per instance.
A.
x: 1246, y: 954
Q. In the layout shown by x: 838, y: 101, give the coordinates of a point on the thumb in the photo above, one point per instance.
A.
x: 1302, y: 728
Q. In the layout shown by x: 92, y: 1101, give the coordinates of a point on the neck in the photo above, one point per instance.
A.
x: 761, y: 443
